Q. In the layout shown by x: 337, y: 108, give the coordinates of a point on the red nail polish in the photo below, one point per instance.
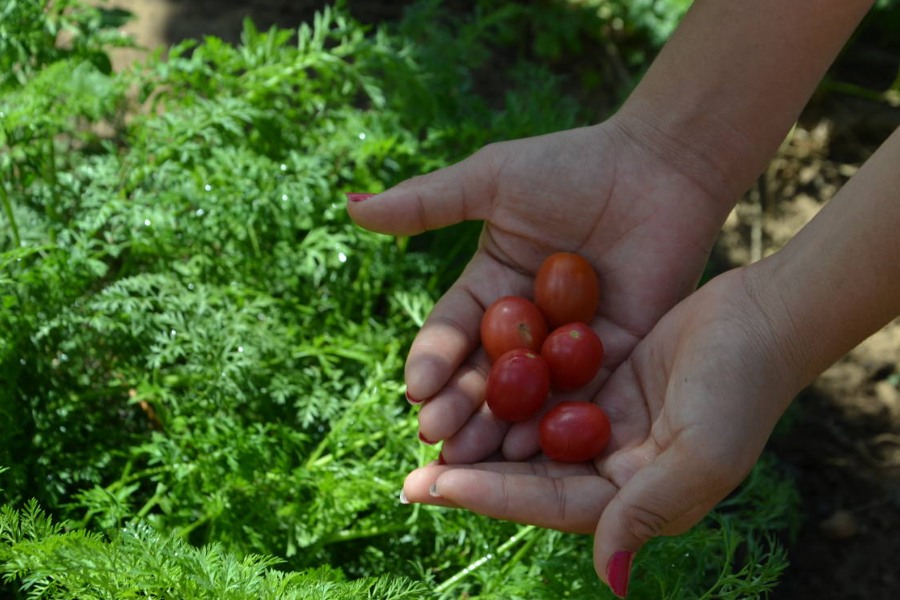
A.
x: 412, y: 400
x: 441, y: 459
x: 425, y: 440
x: 358, y: 196
x: 618, y: 571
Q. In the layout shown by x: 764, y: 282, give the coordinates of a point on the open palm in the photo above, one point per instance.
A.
x: 691, y: 409
x: 645, y: 226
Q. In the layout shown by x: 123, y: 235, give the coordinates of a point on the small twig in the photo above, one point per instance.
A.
x: 524, y: 531
x: 886, y: 438
x: 891, y: 96
x: 618, y: 67
x: 760, y: 202
x: 7, y: 208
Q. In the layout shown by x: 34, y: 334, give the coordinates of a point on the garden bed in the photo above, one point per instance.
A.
x: 842, y: 446
x: 204, y: 356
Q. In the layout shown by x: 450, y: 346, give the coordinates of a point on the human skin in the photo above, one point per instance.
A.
x: 697, y: 399
x: 642, y: 196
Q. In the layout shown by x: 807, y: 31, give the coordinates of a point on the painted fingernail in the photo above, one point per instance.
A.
x: 432, y: 491
x: 425, y: 440
x: 403, y: 498
x: 358, y: 196
x: 618, y: 571
x: 412, y: 400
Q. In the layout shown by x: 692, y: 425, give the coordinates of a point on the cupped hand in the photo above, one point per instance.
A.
x: 645, y: 225
x: 691, y: 409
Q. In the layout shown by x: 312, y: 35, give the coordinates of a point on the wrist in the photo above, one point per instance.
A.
x: 838, y: 280
x: 706, y: 152
x: 790, y: 349
x: 733, y: 78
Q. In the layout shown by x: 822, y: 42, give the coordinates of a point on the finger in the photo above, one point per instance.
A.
x: 420, y: 484
x: 481, y: 436
x: 417, y: 487
x: 457, y: 193
x: 522, y: 442
x: 630, y: 400
x: 665, y: 497
x: 448, y: 336
x: 571, y: 503
x: 452, y: 331
x: 445, y: 413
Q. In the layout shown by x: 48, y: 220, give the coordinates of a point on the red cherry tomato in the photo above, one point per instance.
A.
x: 512, y: 322
x: 517, y: 385
x: 574, y: 354
x: 574, y: 431
x: 566, y: 289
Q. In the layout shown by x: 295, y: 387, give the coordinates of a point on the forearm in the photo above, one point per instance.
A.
x: 838, y: 280
x: 732, y: 80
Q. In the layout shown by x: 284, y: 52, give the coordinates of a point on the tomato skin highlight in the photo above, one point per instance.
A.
x: 566, y: 289
x: 574, y: 354
x: 517, y: 385
x: 574, y: 431
x: 512, y: 322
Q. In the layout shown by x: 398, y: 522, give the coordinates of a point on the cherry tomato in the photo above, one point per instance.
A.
x: 517, y: 385
x: 566, y: 289
x: 574, y: 354
x: 512, y: 322
x: 574, y: 431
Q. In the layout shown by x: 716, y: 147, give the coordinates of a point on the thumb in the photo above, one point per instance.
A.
x: 666, y: 497
x: 461, y: 192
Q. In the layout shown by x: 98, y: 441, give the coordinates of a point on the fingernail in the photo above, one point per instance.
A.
x: 425, y: 440
x: 358, y: 196
x: 403, y: 498
x: 618, y: 571
x: 432, y: 491
x: 412, y: 400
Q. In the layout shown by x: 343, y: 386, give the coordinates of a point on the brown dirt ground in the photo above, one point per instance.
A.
x: 843, y: 445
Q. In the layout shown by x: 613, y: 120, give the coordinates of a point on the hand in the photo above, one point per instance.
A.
x: 691, y: 409
x: 646, y: 226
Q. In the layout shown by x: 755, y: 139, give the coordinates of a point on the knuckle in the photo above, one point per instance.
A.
x: 447, y: 323
x: 505, y: 501
x: 422, y: 212
x: 559, y: 488
x: 642, y: 523
x: 721, y: 470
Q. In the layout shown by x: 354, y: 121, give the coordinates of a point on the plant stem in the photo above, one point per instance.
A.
x: 51, y: 177
x: 7, y: 208
x: 890, y: 96
x: 512, y: 541
x: 345, y: 535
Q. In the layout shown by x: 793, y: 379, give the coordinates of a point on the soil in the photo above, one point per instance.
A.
x: 841, y: 442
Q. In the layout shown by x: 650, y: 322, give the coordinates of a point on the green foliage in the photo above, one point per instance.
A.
x: 137, y: 561
x: 201, y: 358
x: 37, y: 33
x: 733, y: 554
